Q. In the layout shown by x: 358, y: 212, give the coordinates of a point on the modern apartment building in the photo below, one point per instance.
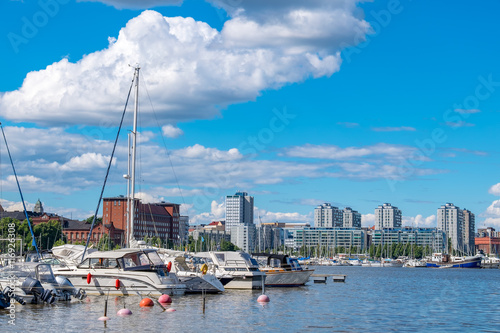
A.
x: 450, y: 219
x: 239, y: 214
x: 327, y: 216
x: 351, y: 218
x: 469, y: 232
x: 387, y: 216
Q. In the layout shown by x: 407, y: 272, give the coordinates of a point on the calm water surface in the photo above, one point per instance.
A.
x: 372, y: 299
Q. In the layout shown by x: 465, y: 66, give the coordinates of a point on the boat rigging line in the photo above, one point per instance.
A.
x: 21, y: 193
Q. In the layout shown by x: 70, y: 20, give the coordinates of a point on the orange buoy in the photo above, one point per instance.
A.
x: 89, y: 278
x: 146, y: 302
x: 117, y: 284
x: 169, y: 266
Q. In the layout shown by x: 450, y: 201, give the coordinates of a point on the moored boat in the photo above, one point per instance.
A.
x: 283, y: 271
x: 447, y: 261
x: 123, y: 272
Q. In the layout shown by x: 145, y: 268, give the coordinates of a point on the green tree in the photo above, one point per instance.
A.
x: 97, y: 221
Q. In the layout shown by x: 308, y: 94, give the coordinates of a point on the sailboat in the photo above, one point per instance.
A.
x: 127, y: 271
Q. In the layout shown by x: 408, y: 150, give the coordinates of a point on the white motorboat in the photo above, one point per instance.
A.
x: 414, y: 263
x: 123, y: 272
x: 191, y: 272
x: 236, y: 270
x: 36, y: 283
x: 283, y: 271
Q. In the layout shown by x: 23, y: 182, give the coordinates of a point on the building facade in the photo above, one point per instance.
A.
x: 152, y: 219
x: 431, y: 238
x: 327, y: 216
x: 450, y: 219
x: 351, y: 218
x: 387, y: 216
x: 239, y: 220
x: 469, y: 232
x: 329, y: 238
x: 239, y: 210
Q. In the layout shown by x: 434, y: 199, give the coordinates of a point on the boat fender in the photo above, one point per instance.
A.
x: 204, y: 269
x: 117, y: 284
x: 89, y: 278
x: 169, y: 266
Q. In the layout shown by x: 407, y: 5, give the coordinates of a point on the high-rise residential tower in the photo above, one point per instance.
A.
x: 352, y: 219
x: 327, y: 216
x: 450, y: 219
x: 387, y: 216
x: 239, y: 220
x: 469, y: 232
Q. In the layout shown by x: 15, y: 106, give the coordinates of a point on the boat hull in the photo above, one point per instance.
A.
x: 244, y: 281
x: 287, y: 278
x: 133, y: 283
x: 471, y: 264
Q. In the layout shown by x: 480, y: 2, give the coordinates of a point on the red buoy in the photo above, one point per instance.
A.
x: 169, y: 266
x: 117, y: 284
x: 146, y: 302
x: 263, y: 299
x: 89, y: 278
x: 165, y: 299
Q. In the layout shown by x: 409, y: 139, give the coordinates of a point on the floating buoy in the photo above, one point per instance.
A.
x: 103, y: 318
x: 169, y: 266
x: 124, y: 312
x: 146, y: 302
x: 89, y: 278
x: 165, y: 299
x: 171, y: 310
x: 263, y: 299
x: 117, y: 284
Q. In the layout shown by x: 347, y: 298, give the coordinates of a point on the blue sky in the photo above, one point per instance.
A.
x: 297, y: 103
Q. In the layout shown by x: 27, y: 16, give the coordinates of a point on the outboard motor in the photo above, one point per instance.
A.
x: 7, y: 294
x: 33, y: 287
x: 68, y: 288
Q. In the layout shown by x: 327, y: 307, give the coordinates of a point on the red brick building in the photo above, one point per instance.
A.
x: 155, y: 219
x: 488, y: 241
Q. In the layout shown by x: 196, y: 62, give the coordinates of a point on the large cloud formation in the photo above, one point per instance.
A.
x: 191, y: 70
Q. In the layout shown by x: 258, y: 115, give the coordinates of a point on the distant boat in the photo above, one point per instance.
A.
x: 283, y: 271
x: 415, y: 263
x: 235, y: 269
x: 447, y: 261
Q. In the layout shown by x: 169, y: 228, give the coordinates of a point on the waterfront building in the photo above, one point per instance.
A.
x: 425, y: 237
x: 269, y: 236
x: 329, y: 238
x: 327, y: 216
x: 469, y: 232
x: 450, y: 219
x: 184, y: 229
x: 351, y: 218
x: 243, y: 236
x: 151, y: 219
x: 239, y: 219
x: 387, y: 216
x: 239, y: 210
x: 488, y: 241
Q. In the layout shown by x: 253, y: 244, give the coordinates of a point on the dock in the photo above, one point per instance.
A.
x: 322, y: 278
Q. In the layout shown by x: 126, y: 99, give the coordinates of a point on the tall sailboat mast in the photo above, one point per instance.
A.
x: 131, y: 214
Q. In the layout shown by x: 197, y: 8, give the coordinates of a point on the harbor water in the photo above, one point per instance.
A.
x: 371, y: 299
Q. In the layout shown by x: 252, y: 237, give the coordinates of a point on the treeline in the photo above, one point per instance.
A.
x: 375, y: 251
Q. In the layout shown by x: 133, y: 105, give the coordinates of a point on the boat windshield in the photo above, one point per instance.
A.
x: 250, y: 261
x: 44, y: 274
x: 155, y: 259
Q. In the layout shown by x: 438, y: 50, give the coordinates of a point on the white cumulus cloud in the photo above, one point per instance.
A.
x: 495, y: 189
x: 190, y: 69
x: 171, y: 131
